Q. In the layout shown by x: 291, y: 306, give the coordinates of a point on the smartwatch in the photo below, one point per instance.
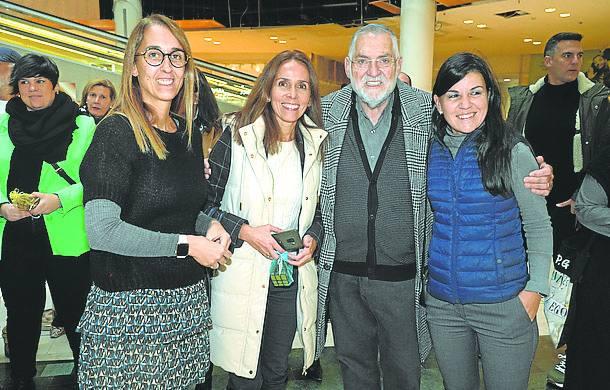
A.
x: 182, y: 249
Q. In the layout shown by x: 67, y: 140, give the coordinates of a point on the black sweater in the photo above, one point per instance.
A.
x: 550, y: 129
x: 158, y: 195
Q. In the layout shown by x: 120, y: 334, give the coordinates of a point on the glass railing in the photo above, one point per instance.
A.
x: 41, y: 32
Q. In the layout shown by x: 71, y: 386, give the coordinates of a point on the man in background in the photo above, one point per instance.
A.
x: 558, y: 115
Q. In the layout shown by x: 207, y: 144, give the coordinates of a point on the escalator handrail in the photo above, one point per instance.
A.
x: 121, y: 41
x: 65, y: 22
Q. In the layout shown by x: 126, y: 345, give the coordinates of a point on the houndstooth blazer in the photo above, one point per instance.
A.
x: 416, y: 110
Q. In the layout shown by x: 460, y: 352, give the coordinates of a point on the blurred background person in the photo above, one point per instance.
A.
x: 405, y: 78
x: 265, y: 179
x: 8, y: 57
x: 42, y: 142
x: 207, y: 122
x: 558, y: 114
x: 147, y: 317
x: 98, y: 98
x: 599, y: 72
x: 207, y: 114
x: 589, y: 335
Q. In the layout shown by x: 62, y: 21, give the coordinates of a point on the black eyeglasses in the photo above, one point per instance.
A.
x: 155, y: 57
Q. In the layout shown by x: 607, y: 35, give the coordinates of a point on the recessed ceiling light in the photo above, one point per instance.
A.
x: 282, y: 41
x: 208, y: 39
x: 468, y: 21
x: 536, y: 43
x: 527, y: 40
x: 216, y: 43
x: 482, y: 25
x: 273, y: 37
x: 549, y: 10
x: 506, y: 80
x: 565, y: 15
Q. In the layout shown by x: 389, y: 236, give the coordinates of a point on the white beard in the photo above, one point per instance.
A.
x: 374, y: 102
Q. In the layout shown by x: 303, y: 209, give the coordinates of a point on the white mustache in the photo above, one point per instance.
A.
x: 380, y: 78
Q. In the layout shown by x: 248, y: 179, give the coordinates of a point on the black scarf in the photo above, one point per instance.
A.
x: 44, y: 134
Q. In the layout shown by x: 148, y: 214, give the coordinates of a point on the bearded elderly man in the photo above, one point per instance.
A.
x: 376, y: 219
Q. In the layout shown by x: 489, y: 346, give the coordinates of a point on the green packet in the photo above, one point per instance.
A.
x: 281, y: 271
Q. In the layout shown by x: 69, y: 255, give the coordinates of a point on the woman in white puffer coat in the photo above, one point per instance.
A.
x: 265, y: 179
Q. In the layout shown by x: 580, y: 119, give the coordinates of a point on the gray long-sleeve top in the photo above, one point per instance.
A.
x: 108, y: 232
x: 592, y: 206
x: 534, y: 216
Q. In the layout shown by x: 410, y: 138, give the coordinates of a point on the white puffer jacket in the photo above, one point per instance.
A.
x: 239, y: 294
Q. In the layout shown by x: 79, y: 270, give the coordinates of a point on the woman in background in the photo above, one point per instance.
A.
x: 98, y: 97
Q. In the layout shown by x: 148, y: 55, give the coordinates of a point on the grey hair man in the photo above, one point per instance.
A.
x: 376, y: 219
x: 373, y: 203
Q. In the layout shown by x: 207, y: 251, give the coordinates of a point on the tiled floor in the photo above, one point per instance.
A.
x: 55, y: 367
x: 55, y: 375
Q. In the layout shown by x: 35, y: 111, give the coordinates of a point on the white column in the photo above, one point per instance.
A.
x: 417, y: 20
x: 127, y: 13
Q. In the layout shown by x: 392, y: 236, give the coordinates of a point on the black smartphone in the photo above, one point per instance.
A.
x: 290, y: 240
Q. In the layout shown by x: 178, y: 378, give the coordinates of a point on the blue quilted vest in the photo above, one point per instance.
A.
x: 476, y: 254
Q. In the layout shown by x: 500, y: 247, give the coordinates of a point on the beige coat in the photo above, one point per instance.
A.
x: 239, y: 294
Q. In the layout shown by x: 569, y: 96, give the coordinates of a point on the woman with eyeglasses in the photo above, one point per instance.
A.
x: 147, y: 317
x: 42, y: 142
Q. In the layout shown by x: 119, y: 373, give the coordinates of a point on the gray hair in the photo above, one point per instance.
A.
x: 375, y: 29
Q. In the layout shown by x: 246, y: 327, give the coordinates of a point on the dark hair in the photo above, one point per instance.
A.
x: 33, y: 65
x: 551, y: 44
x: 258, y: 102
x: 208, y: 114
x: 606, y: 53
x: 495, y: 140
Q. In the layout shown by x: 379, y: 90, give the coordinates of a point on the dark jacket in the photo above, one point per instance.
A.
x: 591, y: 98
x: 416, y: 112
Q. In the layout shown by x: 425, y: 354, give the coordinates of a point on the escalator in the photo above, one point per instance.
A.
x: 90, y: 53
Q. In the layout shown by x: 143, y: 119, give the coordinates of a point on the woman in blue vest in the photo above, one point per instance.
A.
x: 491, y: 245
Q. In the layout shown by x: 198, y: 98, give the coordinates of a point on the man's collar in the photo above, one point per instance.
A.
x: 387, y: 108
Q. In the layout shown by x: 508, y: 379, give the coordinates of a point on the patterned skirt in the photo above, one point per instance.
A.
x: 145, y: 339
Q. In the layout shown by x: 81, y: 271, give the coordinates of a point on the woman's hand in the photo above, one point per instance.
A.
x: 12, y: 213
x: 46, y: 205
x: 531, y: 302
x: 206, y: 252
x: 217, y: 233
x: 305, y: 254
x: 260, y: 239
